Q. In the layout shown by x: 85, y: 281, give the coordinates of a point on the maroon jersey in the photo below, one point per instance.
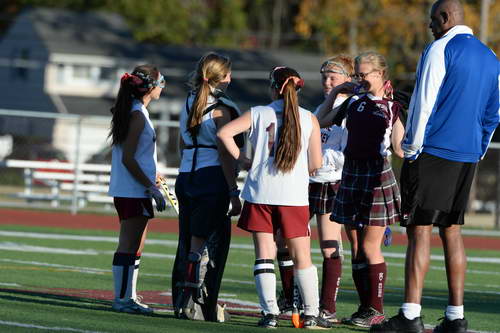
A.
x: 369, y: 125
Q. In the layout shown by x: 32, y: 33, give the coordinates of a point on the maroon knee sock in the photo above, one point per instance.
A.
x: 332, y: 271
x: 376, y: 276
x: 285, y: 264
x: 360, y: 277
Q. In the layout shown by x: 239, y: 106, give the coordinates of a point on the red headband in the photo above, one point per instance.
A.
x: 296, y: 80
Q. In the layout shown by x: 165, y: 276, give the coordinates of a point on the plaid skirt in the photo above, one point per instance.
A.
x: 321, y: 196
x: 368, y: 194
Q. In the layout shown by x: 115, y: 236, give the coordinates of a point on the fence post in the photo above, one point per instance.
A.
x: 74, y: 201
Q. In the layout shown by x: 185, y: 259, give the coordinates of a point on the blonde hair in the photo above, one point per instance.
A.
x: 376, y: 60
x: 210, y: 71
x: 343, y: 62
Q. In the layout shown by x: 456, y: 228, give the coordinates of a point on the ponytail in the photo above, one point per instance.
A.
x: 132, y: 86
x: 210, y: 71
x: 286, y: 82
x: 289, y: 145
x: 197, y: 109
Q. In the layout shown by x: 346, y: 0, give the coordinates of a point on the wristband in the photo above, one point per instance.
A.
x: 234, y: 192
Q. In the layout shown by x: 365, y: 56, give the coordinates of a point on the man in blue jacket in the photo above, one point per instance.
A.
x: 453, y: 113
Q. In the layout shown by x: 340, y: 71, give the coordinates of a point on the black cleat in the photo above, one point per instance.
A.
x: 268, y: 321
x: 451, y: 326
x: 316, y: 323
x: 399, y: 324
x: 366, y: 317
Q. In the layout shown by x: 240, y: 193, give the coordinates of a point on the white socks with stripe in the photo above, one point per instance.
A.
x: 265, y: 281
x: 307, y: 280
x: 125, y: 272
x: 411, y: 310
x: 454, y: 312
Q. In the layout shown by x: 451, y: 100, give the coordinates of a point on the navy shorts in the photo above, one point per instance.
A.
x: 435, y: 190
x: 203, y: 200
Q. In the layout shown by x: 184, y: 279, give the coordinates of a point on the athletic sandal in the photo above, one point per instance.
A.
x: 131, y: 306
x: 367, y: 317
x: 399, y: 324
x: 451, y: 326
x: 331, y: 317
x: 268, y: 321
x: 316, y: 323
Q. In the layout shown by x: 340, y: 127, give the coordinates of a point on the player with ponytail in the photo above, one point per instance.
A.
x: 368, y: 200
x: 133, y: 179
x: 205, y: 187
x: 287, y: 148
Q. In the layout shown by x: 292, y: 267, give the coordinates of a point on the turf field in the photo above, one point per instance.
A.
x: 59, y: 279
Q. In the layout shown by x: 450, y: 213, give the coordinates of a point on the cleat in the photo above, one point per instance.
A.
x: 131, y: 306
x: 451, y: 326
x: 367, y: 317
x: 268, y: 321
x: 316, y: 323
x: 399, y: 324
x: 331, y: 317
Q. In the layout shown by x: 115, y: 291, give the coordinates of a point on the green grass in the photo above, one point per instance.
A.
x: 28, y: 279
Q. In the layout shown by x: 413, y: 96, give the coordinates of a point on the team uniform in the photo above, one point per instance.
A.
x: 453, y: 114
x: 276, y: 200
x: 324, y: 185
x: 203, y: 195
x: 368, y: 193
x: 130, y: 200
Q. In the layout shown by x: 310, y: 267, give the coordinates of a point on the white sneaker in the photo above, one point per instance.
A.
x: 131, y: 306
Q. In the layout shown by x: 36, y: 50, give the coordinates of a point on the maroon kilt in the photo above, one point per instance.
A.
x: 368, y: 194
x: 321, y: 197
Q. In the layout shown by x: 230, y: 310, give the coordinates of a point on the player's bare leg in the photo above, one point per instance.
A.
x: 417, y: 261
x: 456, y: 262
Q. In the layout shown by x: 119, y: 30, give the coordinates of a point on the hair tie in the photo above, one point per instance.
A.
x: 298, y: 82
x: 125, y: 77
x: 388, y: 89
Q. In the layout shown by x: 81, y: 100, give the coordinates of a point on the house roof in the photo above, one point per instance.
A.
x: 90, y: 33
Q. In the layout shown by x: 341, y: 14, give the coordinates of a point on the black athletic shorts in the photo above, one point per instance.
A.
x: 203, y: 200
x: 435, y: 191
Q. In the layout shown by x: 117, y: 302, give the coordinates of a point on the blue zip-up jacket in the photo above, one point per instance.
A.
x: 454, y: 109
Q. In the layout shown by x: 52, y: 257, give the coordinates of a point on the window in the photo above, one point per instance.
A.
x: 107, y: 73
x: 82, y: 72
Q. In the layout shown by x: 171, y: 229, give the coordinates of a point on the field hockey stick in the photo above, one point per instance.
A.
x: 170, y: 195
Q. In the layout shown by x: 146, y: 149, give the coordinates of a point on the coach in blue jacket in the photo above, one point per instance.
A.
x: 454, y: 111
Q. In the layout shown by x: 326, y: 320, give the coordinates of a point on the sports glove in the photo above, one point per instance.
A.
x: 154, y: 192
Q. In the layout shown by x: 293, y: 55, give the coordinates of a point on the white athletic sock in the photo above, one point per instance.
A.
x: 411, y: 310
x: 123, y: 275
x: 307, y: 280
x: 454, y: 312
x: 265, y: 281
x: 135, y: 275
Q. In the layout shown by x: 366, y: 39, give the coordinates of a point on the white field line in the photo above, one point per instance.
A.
x: 68, y: 329
x: 18, y: 247
x: 171, y: 243
x: 90, y: 270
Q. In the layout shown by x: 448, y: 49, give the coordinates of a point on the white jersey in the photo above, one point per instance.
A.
x: 333, y: 141
x: 207, y: 136
x: 264, y: 183
x: 122, y: 183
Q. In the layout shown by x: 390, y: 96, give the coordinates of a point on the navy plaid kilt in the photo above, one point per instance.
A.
x: 368, y: 194
x: 321, y: 196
